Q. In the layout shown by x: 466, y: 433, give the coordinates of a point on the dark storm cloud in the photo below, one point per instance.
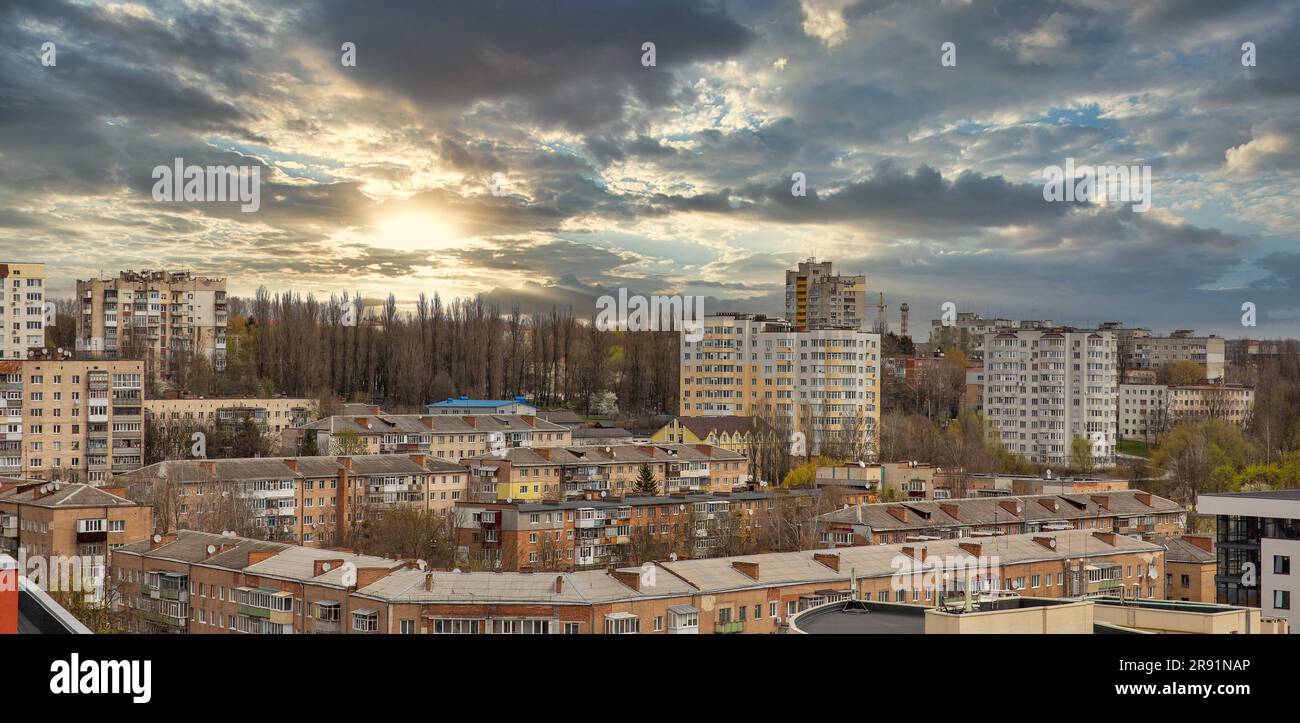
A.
x: 572, y: 63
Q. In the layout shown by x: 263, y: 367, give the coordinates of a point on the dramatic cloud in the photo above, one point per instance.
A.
x: 523, y: 151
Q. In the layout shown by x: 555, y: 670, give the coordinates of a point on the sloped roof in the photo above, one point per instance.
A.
x: 923, y: 514
x: 68, y: 495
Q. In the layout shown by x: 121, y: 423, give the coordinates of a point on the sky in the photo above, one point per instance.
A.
x: 526, y: 152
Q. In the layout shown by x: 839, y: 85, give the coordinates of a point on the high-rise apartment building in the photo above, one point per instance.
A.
x: 78, y: 421
x: 161, y: 316
x: 967, y: 330
x: 821, y: 384
x: 816, y: 298
x: 1043, y: 388
x: 22, y: 308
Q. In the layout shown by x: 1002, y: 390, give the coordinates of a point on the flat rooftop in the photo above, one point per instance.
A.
x: 862, y: 617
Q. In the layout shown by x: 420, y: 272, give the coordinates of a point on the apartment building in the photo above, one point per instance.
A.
x: 72, y: 420
x: 1257, y: 540
x: 442, y: 436
x: 596, y: 532
x: 161, y: 316
x: 817, y: 298
x: 193, y: 582
x: 893, y: 480
x: 1124, y: 512
x: 552, y: 473
x: 1148, y: 410
x: 308, y: 500
x: 1139, y: 349
x: 1190, y: 566
x: 22, y: 308
x: 822, y: 384
x: 1043, y: 388
x: 269, y: 414
x: 966, y: 332
x: 54, y: 519
x: 734, y: 433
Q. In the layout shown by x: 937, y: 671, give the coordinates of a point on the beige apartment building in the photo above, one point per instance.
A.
x: 1138, y: 349
x: 158, y: 315
x: 22, y: 308
x: 270, y: 414
x: 815, y: 297
x: 78, y: 421
x: 442, y: 436
x: 308, y: 500
x: 56, y: 519
x: 1148, y: 410
x: 822, y: 384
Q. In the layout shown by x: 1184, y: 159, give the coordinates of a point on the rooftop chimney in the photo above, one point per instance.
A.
x: 1011, y: 506
x: 631, y: 578
x: 345, y: 462
x: 559, y: 584
x: 418, y: 459
x: 748, y: 569
x: 972, y: 548
x: 831, y: 561
x: 898, y: 511
x: 209, y: 466
x: 1143, y: 497
x: 320, y: 567
x: 1048, y: 502
x: 291, y: 463
x: 916, y: 553
x: 256, y: 556
x: 951, y: 510
x: 1106, y: 537
x: 1102, y: 501
x: 1048, y: 542
x: 158, y: 541
x: 1202, y: 541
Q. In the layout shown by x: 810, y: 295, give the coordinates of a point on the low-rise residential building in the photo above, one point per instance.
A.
x: 270, y: 414
x: 891, y: 480
x: 203, y: 583
x: 1190, y: 565
x: 731, y: 432
x: 72, y: 420
x: 463, y: 405
x: 308, y: 500
x: 597, y: 532
x: 988, y: 484
x: 1256, y: 542
x: 553, y: 473
x: 442, y: 436
x: 69, y: 519
x: 1147, y: 411
x: 1125, y: 512
x: 603, y: 436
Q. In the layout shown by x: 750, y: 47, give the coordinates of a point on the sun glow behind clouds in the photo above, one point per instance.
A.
x: 412, y: 231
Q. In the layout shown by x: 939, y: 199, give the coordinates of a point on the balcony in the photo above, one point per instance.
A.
x: 729, y: 628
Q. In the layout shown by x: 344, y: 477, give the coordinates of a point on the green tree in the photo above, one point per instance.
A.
x: 1081, y: 455
x: 645, y: 481
x: 348, y: 443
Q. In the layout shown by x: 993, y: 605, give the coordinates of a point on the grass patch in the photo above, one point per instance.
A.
x: 1134, y: 447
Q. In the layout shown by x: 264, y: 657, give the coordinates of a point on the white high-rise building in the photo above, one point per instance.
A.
x: 821, y: 383
x: 1045, y: 387
x: 22, y: 308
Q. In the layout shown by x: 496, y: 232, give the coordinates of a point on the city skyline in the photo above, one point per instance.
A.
x: 674, y: 177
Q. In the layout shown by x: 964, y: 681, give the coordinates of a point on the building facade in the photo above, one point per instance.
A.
x: 1045, y: 388
x: 555, y: 473
x: 269, y: 414
x: 311, y: 501
x: 79, y: 421
x: 463, y: 405
x: 22, y: 308
x: 817, y: 298
x: 1139, y: 349
x: 70, y: 519
x: 1257, y: 542
x: 1147, y: 411
x: 822, y: 385
x: 160, y: 316
x: 191, y: 582
x: 443, y: 436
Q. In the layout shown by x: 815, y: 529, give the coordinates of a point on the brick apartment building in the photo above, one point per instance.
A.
x: 442, y: 436
x: 1128, y: 512
x: 69, y: 519
x: 308, y: 500
x: 270, y: 414
x: 192, y: 582
x: 548, y: 473
x: 597, y: 532
x: 1190, y: 566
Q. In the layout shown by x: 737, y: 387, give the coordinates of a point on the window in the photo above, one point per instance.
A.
x: 365, y: 621
x: 407, y: 627
x: 1281, y: 600
x: 456, y: 627
x: 571, y: 628
x: 622, y: 624
x: 1281, y: 565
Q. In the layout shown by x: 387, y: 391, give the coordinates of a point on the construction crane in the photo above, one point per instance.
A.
x: 880, y: 315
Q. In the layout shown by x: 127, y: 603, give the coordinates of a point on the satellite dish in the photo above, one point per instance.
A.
x: 212, y: 549
x: 157, y: 538
x: 325, y: 567
x: 1052, y: 544
x: 422, y: 564
x: 862, y: 463
x: 603, y: 493
x: 672, y: 557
